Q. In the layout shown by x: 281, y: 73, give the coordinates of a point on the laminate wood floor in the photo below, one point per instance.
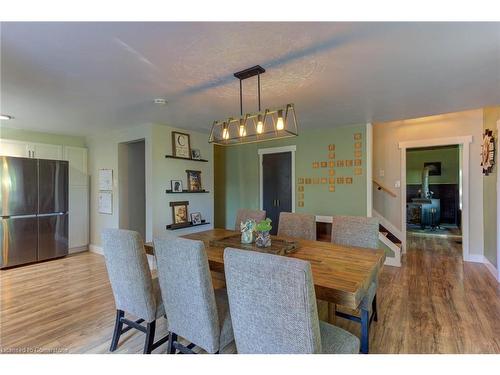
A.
x: 434, y: 303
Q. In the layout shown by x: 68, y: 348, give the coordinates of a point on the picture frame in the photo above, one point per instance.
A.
x: 181, y: 145
x: 193, y: 180
x: 179, y: 214
x: 176, y: 186
x: 195, y: 154
x: 195, y: 218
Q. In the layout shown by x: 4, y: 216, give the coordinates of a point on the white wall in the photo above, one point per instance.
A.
x: 103, y: 153
x: 386, y: 157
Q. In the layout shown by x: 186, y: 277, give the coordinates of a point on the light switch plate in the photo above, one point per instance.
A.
x: 381, y: 173
x: 397, y: 184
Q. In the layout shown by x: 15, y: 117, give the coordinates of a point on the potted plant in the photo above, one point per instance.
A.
x: 263, y: 237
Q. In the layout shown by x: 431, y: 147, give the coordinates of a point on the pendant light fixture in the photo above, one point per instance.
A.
x: 271, y: 124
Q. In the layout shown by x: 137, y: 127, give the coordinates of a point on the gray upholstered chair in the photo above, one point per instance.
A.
x: 297, y: 225
x: 244, y: 214
x: 195, y: 311
x: 134, y: 290
x: 278, y: 314
x: 358, y: 231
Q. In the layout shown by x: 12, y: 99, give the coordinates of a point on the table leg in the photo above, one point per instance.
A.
x: 332, y: 309
x: 365, y: 330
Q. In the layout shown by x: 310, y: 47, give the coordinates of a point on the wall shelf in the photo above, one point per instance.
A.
x: 187, y: 225
x: 184, y: 191
x: 189, y: 159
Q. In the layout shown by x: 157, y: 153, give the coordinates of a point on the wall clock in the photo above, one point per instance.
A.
x: 181, y: 146
x: 488, y: 152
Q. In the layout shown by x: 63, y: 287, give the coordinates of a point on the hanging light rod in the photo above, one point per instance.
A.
x: 261, y: 126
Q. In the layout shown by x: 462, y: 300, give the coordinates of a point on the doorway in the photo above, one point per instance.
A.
x: 132, y: 186
x: 433, y: 200
x: 277, y: 170
x: 463, y: 144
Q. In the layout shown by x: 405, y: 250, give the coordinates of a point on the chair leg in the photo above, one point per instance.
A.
x: 171, y: 340
x: 150, y: 337
x: 117, y: 331
x: 374, y: 308
x: 365, y: 331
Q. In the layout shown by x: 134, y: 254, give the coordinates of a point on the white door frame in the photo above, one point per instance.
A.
x: 464, y: 141
x: 276, y: 150
x: 498, y: 214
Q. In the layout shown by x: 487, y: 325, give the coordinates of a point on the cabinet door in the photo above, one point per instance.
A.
x: 47, y: 151
x: 77, y: 158
x: 14, y: 148
x: 78, y: 216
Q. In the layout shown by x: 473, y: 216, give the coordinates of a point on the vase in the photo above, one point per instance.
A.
x: 247, y: 236
x: 263, y: 239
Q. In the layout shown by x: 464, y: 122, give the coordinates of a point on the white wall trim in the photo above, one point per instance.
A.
x: 493, y: 270
x: 388, y: 225
x: 498, y: 212
x: 96, y: 249
x: 445, y: 141
x: 275, y: 150
x: 78, y: 249
x: 369, y: 169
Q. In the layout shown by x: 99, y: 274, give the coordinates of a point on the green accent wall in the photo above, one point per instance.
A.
x: 39, y: 137
x: 449, y: 158
x: 490, y: 117
x: 236, y: 174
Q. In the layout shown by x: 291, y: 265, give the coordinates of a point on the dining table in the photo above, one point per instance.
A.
x: 341, y: 274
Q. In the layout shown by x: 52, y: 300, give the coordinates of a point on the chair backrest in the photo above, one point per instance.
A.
x: 244, y: 214
x: 356, y: 231
x: 129, y: 272
x: 272, y: 303
x: 297, y: 225
x: 187, y: 291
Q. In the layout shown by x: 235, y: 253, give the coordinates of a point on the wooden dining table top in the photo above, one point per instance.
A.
x: 341, y: 274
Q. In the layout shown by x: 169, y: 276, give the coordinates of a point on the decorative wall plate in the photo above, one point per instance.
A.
x: 488, y: 152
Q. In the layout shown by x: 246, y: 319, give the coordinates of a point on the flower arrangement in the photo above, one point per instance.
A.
x: 263, y: 236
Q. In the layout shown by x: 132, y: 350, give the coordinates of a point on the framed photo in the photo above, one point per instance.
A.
x: 193, y: 180
x: 105, y: 203
x: 176, y: 186
x: 181, y: 146
x: 195, y: 218
x: 179, y: 213
x: 106, y: 179
x: 195, y: 154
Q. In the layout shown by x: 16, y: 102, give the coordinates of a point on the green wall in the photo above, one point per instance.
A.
x: 236, y: 174
x: 490, y: 116
x: 39, y: 137
x: 449, y: 158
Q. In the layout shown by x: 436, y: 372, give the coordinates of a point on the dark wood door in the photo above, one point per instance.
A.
x: 276, y: 185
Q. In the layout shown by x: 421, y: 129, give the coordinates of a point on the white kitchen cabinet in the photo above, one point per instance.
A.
x: 77, y: 157
x: 78, y: 229
x: 46, y: 151
x: 14, y: 148
x: 23, y: 149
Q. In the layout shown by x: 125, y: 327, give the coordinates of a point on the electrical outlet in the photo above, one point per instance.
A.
x: 381, y: 173
x: 397, y: 184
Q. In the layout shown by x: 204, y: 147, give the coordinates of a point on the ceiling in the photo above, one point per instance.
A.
x: 79, y: 78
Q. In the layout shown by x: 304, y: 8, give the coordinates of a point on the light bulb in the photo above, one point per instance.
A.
x: 260, y: 125
x: 243, y: 130
x: 280, y: 125
x: 225, y: 132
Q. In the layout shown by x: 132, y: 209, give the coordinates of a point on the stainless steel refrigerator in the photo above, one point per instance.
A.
x: 34, y: 210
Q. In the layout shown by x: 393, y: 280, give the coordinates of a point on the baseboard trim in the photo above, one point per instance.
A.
x: 78, y: 249
x: 475, y: 258
x: 96, y: 249
x: 493, y: 270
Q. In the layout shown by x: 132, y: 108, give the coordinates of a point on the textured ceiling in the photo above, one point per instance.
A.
x: 78, y: 78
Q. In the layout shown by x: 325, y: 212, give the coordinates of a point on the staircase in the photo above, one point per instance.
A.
x: 389, y: 238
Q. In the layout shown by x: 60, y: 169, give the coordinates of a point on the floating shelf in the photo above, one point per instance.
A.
x: 187, y: 225
x: 190, y: 159
x: 169, y: 191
